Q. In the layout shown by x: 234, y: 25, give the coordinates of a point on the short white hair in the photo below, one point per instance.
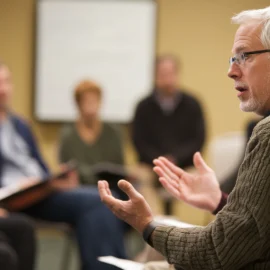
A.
x: 256, y: 15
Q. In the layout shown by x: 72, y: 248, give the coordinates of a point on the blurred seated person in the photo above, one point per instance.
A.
x: 17, y: 242
x: 98, y: 231
x: 90, y: 141
x: 169, y: 122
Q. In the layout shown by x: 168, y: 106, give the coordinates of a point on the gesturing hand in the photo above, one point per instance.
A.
x: 135, y: 211
x: 200, y: 190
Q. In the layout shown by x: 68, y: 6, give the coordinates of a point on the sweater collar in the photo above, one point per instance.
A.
x: 167, y: 104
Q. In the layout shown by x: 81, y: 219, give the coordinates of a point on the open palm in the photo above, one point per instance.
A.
x: 200, y: 189
x: 135, y: 211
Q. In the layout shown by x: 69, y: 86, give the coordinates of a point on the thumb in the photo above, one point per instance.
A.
x: 128, y: 189
x: 200, y: 164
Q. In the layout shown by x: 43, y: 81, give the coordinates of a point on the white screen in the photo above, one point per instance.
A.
x: 109, y: 41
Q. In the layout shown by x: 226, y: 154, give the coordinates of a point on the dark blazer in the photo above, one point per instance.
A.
x: 24, y: 130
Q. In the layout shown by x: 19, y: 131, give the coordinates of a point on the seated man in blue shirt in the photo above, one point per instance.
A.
x: 98, y: 232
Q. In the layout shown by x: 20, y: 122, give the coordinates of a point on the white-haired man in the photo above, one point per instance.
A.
x: 239, y: 238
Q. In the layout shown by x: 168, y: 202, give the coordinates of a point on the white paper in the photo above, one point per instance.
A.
x: 8, y: 191
x: 122, y: 264
x: 174, y: 222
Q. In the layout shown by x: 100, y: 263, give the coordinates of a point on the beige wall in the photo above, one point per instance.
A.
x: 198, y: 31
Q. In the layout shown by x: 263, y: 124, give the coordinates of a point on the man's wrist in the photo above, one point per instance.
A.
x: 222, y: 203
x: 148, y: 231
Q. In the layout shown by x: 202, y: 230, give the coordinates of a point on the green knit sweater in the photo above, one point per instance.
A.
x: 239, y: 238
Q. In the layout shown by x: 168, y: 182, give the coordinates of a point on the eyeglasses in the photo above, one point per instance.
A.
x: 240, y: 58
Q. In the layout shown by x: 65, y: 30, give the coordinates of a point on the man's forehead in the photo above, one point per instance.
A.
x: 247, y: 37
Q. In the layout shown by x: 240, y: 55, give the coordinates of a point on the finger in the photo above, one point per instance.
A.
x: 107, y: 198
x: 173, y: 180
x: 178, y: 171
x: 107, y: 187
x: 128, y: 189
x: 103, y: 189
x: 175, y: 184
x: 169, y: 187
x: 165, y: 171
x: 200, y: 164
x: 160, y: 173
x: 158, y: 170
x: 180, y: 175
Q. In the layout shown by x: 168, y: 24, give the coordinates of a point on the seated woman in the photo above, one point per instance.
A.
x: 96, y: 147
x: 89, y: 141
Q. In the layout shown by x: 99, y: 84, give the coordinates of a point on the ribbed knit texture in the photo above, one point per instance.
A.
x: 239, y: 238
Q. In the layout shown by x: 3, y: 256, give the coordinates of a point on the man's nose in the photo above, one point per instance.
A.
x: 234, y: 71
